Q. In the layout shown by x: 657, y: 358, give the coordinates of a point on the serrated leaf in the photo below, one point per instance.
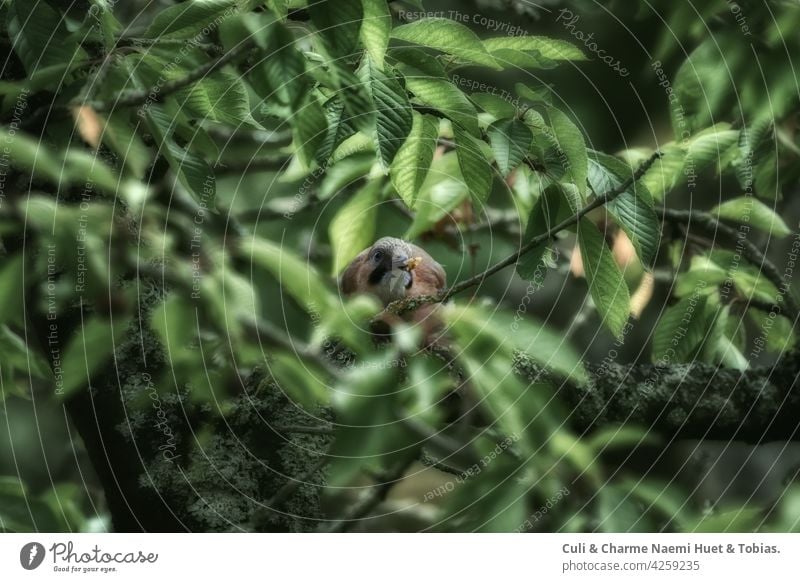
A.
x: 281, y: 74
x: 680, y: 331
x: 510, y: 139
x: 187, y: 19
x: 447, y: 36
x: 393, y: 113
x: 40, y: 38
x: 339, y: 129
x: 310, y: 128
x: 413, y: 160
x: 88, y: 350
x: 496, y: 106
x: 606, y: 284
x: 338, y: 23
x: 570, y: 140
x: 220, y: 97
x: 353, y: 228
x: 632, y: 212
x: 749, y: 210
x: 448, y: 99
x: 523, y: 60
x: 550, y: 48
x: 538, y: 94
x: 355, y: 96
x: 375, y: 29
x: 415, y: 62
x: 475, y: 168
x: 542, y: 219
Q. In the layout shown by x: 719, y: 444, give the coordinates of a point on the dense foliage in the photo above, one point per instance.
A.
x: 180, y: 185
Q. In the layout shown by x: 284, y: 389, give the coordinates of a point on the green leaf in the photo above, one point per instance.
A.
x: 621, y: 437
x: 120, y: 137
x: 88, y: 350
x: 353, y: 228
x: 523, y: 60
x: 511, y: 139
x: 297, y: 277
x: 175, y: 323
x: 339, y: 129
x: 510, y: 334
x: 606, y: 284
x: 448, y: 99
x: 442, y: 191
x: 369, y: 435
x: 447, y: 36
x: 192, y: 171
x: 310, y: 129
x: 570, y: 141
x: 496, y: 106
x: 413, y: 160
x: 69, y: 167
x: 187, y: 19
x: 39, y: 36
x: 631, y: 211
x: 549, y: 48
x: 344, y: 172
x: 220, y: 97
x: 11, y: 288
x: 375, y: 29
x: 281, y: 74
x: 415, y: 62
x: 680, y: 331
x: 303, y: 383
x: 354, y: 94
x: 475, y: 168
x: 393, y: 113
x: 338, y: 23
x: 685, y: 159
x: 749, y: 210
x: 542, y: 219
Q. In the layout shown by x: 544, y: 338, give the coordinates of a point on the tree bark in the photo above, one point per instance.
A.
x: 687, y: 401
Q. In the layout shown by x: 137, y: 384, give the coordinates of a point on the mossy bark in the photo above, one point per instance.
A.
x: 688, y: 401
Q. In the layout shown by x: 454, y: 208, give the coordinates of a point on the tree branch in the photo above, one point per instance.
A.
x: 371, y: 499
x: 405, y: 305
x: 140, y: 96
x: 686, y: 401
x: 751, y: 252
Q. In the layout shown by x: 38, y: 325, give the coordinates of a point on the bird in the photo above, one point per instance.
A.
x: 393, y: 269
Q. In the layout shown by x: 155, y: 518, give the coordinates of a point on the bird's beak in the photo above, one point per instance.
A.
x: 412, y: 263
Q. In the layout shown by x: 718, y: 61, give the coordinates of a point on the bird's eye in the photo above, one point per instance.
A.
x: 377, y: 256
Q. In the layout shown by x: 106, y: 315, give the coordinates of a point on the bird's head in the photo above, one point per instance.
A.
x: 391, y: 263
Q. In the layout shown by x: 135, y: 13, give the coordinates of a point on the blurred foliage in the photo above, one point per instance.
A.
x: 233, y: 154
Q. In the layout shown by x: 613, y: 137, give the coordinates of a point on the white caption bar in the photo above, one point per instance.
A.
x: 397, y: 557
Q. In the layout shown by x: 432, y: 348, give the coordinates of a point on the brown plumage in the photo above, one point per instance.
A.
x: 393, y: 269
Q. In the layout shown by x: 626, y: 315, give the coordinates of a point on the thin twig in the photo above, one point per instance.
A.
x: 404, y: 305
x: 140, y: 96
x: 300, y: 429
x: 751, y: 252
x: 371, y: 499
